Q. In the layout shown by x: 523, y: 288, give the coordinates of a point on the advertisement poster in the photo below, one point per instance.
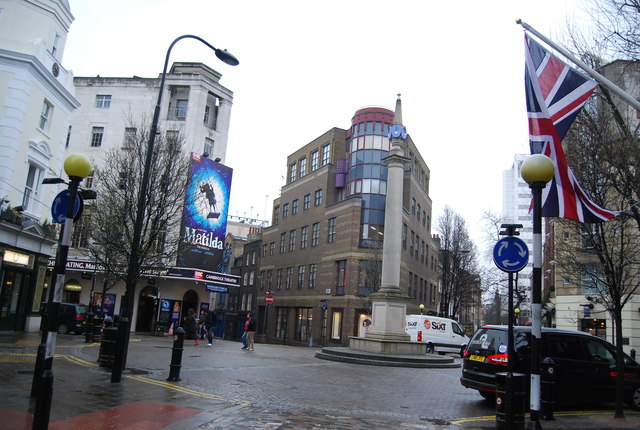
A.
x: 103, y: 306
x: 164, y: 317
x: 204, y: 220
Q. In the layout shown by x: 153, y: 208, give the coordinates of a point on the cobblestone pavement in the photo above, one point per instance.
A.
x: 273, y: 387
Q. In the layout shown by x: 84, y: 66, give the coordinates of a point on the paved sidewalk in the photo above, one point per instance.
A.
x: 273, y: 387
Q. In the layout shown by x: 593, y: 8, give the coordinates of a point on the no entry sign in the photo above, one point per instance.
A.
x: 268, y: 298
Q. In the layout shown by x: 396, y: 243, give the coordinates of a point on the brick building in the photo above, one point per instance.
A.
x: 321, y: 257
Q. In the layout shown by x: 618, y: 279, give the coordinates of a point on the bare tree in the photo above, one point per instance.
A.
x: 117, y: 182
x: 458, y: 257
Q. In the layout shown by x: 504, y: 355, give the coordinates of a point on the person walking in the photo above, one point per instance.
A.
x: 251, y: 332
x: 202, y: 329
x: 210, y: 323
x: 245, y: 344
x: 191, y: 326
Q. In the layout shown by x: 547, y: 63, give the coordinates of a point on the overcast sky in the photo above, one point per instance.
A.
x: 307, y: 66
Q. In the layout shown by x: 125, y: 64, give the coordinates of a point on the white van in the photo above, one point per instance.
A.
x: 440, y: 334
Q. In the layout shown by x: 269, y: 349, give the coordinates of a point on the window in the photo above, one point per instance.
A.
x: 285, y: 210
x: 341, y: 281
x: 317, y: 197
x: 172, y: 136
x: 301, y: 277
x: 264, y: 250
x: 54, y: 47
x: 303, y: 324
x: 314, y: 160
x: 292, y: 172
x: 289, y: 277
x: 181, y: 108
x: 96, y: 136
x: 306, y: 202
x: 276, y: 215
x: 411, y: 243
x: 304, y: 233
x: 326, y: 153
x: 281, y: 323
x: 45, y: 115
x: 66, y: 145
x: 292, y: 240
x: 331, y: 231
x: 208, y: 146
x: 413, y: 206
x: 313, y: 269
x: 418, y: 212
x: 294, y: 207
x: 279, y: 279
x: 283, y: 238
x: 336, y: 324
x: 315, y: 234
x: 404, y: 236
x: 80, y: 235
x: 303, y: 167
x: 272, y: 248
x: 103, y: 101
x: 591, y: 279
x: 129, y: 137
x: 32, y: 187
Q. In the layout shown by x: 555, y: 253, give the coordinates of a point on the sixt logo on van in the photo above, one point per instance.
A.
x: 435, y: 325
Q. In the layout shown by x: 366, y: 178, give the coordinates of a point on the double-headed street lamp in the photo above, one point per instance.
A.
x: 77, y: 167
x: 133, y: 270
x: 536, y: 170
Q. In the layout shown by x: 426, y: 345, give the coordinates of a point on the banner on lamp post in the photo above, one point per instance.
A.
x: 204, y: 218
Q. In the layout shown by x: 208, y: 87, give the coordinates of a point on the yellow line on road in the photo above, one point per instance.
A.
x: 187, y: 390
x: 557, y: 414
x: 77, y: 360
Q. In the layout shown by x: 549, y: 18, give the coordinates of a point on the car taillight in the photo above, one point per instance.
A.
x: 499, y: 359
x: 79, y: 318
x: 613, y: 374
x: 465, y: 353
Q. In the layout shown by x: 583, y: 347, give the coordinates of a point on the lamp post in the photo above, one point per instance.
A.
x: 133, y: 270
x: 77, y: 167
x: 536, y: 170
x: 421, y: 308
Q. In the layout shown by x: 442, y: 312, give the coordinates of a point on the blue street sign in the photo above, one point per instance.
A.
x: 511, y: 254
x: 59, y: 207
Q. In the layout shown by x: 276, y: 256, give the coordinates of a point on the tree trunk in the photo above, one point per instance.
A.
x: 619, y: 365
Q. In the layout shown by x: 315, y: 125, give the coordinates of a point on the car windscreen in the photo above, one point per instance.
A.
x: 83, y: 309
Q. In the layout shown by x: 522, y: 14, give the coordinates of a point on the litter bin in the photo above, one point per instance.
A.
x: 108, y: 346
x: 510, y: 406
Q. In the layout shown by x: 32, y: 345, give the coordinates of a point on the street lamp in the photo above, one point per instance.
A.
x: 421, y: 308
x: 133, y: 270
x: 536, y: 170
x: 77, y: 167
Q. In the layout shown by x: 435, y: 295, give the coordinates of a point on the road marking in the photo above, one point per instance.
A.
x: 557, y: 414
x: 188, y: 390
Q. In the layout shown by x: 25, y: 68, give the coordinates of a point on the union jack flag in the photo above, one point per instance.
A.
x: 555, y: 94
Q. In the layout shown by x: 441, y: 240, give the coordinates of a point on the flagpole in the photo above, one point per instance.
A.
x: 595, y: 75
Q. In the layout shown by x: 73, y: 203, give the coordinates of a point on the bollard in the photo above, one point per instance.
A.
x: 176, y: 354
x: 632, y: 353
x: 45, y: 393
x: 108, y: 347
x: 547, y: 386
x: 510, y: 400
x: 37, y: 373
x: 88, y: 328
x: 96, y: 336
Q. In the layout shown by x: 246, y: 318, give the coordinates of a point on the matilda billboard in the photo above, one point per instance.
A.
x: 204, y: 220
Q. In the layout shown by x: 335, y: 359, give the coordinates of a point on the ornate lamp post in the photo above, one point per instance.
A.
x: 134, y: 265
x: 77, y: 167
x: 536, y: 170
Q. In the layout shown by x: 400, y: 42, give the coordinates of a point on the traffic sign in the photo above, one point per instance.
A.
x: 511, y: 254
x: 59, y: 207
x: 268, y: 298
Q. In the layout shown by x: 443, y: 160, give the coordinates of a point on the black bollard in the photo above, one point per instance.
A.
x: 37, y: 373
x: 547, y: 385
x: 176, y: 354
x: 632, y: 353
x: 88, y: 328
x: 510, y: 400
x: 45, y: 393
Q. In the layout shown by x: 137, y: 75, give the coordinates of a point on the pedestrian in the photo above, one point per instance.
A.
x: 210, y: 324
x: 202, y: 329
x: 191, y: 326
x: 251, y: 330
x: 245, y: 343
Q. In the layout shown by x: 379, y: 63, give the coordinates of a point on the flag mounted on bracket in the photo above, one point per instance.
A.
x: 555, y: 94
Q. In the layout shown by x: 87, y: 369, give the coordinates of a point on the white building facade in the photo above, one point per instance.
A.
x: 36, y: 103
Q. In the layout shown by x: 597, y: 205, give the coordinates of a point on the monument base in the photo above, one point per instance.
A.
x: 392, y: 347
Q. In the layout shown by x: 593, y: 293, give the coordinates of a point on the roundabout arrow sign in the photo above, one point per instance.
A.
x: 511, y: 254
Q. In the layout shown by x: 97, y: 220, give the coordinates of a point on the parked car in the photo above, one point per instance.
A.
x: 585, y: 364
x: 72, y: 317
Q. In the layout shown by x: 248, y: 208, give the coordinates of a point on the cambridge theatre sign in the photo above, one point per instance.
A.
x: 214, y: 281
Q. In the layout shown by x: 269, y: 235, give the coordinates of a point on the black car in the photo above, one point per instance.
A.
x: 72, y: 317
x: 585, y: 364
